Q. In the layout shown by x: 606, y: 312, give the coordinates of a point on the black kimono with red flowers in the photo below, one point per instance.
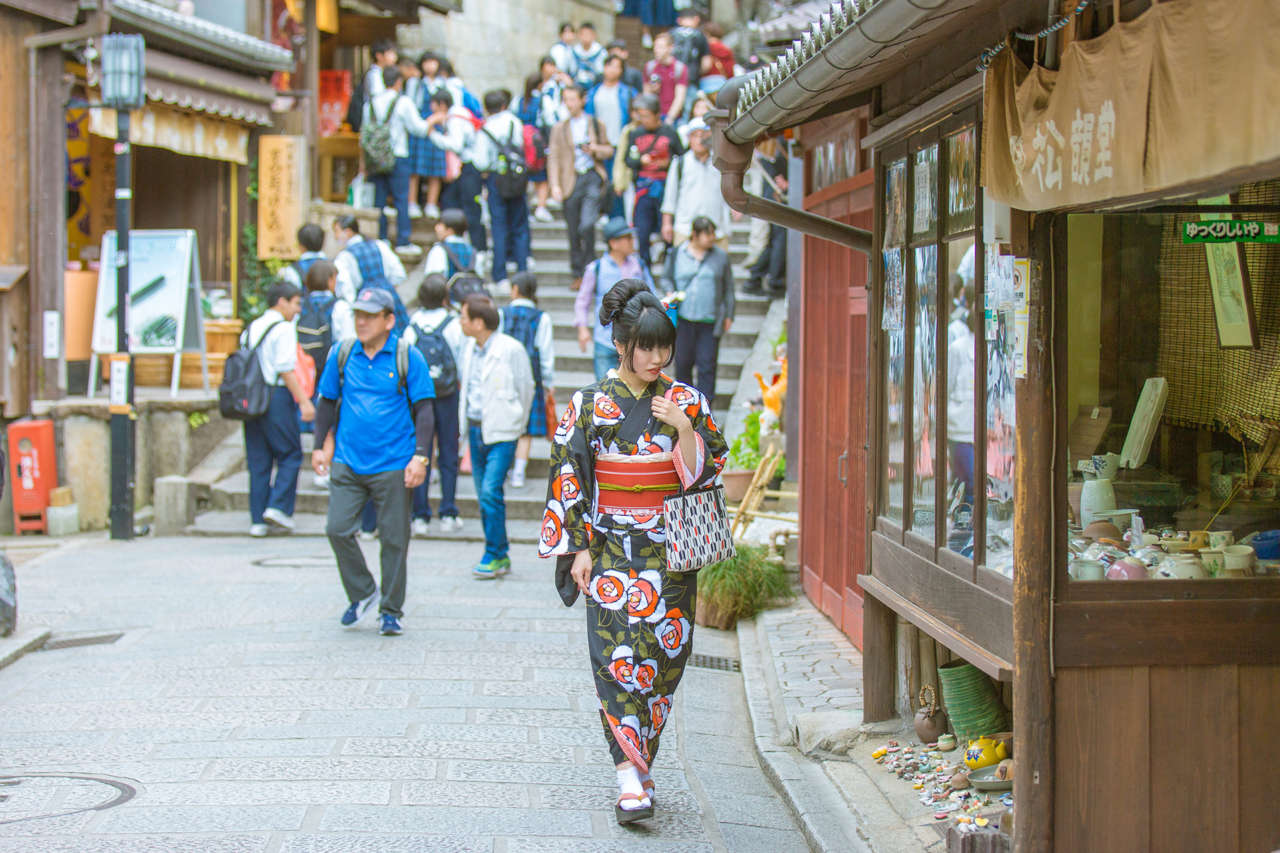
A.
x: 639, y: 615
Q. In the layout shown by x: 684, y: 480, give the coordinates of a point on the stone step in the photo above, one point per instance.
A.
x: 525, y: 503
x: 739, y: 231
x: 741, y: 336
x: 555, y: 297
x: 556, y: 248
x: 236, y: 523
x: 570, y: 358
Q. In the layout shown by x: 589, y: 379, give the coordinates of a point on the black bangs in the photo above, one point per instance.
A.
x: 653, y: 330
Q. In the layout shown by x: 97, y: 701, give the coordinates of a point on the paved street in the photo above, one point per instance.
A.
x: 246, y: 720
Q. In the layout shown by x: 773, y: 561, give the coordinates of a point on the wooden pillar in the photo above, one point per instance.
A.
x: 48, y: 218
x: 879, y: 660
x: 311, y: 82
x: 1033, y: 567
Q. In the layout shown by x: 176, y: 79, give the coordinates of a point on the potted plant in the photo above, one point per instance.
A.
x: 744, y: 458
x: 740, y: 587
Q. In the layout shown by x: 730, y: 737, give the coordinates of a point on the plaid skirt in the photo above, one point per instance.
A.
x: 426, y: 158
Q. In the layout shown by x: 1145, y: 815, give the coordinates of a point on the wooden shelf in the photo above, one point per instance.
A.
x: 993, y: 665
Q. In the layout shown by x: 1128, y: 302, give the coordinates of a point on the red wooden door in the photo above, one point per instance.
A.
x: 833, y: 410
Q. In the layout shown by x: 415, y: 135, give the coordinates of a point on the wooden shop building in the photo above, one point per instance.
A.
x: 1072, y: 265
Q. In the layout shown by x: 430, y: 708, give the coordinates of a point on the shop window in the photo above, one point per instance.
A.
x: 1172, y: 332
x: 946, y: 475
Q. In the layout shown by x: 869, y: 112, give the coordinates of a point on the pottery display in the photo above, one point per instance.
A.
x: 1219, y: 539
x: 985, y: 779
x: 1088, y: 570
x: 1184, y: 566
x: 1128, y: 569
x: 1238, y: 560
x: 946, y: 742
x: 1102, y: 529
x: 1266, y: 544
x: 1214, y: 560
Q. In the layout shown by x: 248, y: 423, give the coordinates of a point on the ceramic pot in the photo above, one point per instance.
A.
x: 1128, y: 569
x: 984, y: 752
x: 1219, y: 539
x: 1238, y: 560
x: 1213, y: 560
x: 946, y: 742
x: 930, y: 721
x: 1088, y: 570
x: 1182, y: 567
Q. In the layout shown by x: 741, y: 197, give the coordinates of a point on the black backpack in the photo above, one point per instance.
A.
x: 464, y: 280
x: 244, y: 394
x: 511, y: 172
x: 435, y: 349
x: 355, y: 109
x: 315, y: 328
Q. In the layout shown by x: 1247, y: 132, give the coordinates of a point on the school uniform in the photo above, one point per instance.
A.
x: 404, y: 120
x: 463, y: 193
x: 508, y: 216
x: 274, y: 440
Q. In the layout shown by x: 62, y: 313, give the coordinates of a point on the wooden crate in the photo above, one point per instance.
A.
x: 222, y: 336
x: 156, y: 370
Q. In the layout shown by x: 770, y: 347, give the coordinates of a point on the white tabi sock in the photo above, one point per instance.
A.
x: 520, y: 465
x: 629, y: 783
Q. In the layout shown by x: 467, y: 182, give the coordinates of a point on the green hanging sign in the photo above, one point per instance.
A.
x: 1230, y: 231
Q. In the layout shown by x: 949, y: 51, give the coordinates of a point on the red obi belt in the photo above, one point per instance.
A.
x: 624, y: 488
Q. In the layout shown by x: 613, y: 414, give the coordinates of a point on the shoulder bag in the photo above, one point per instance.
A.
x: 697, y: 528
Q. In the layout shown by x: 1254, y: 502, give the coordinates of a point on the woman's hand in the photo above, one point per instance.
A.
x: 581, y: 571
x: 671, y: 415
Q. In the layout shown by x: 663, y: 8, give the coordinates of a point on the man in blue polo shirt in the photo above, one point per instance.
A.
x: 379, y: 391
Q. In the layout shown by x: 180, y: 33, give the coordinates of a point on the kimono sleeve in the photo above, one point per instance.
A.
x: 713, y: 449
x: 566, y: 523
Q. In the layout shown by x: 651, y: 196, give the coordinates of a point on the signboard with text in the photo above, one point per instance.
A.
x: 282, y: 187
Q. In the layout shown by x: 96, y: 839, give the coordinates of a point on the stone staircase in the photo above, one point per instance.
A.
x: 228, y: 514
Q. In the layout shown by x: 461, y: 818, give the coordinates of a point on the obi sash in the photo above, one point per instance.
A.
x: 624, y: 488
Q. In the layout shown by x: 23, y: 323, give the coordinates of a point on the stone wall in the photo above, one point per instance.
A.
x: 497, y: 43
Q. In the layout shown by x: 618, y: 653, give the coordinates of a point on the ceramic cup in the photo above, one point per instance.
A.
x: 1213, y: 559
x: 1128, y: 569
x: 1238, y: 559
x: 1219, y: 539
x: 1089, y: 570
x: 1198, y: 539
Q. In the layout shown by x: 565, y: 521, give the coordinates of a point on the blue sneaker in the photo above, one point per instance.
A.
x: 358, y: 610
x: 390, y: 626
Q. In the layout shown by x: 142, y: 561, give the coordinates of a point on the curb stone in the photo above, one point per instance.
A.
x: 825, y: 818
x: 21, y: 643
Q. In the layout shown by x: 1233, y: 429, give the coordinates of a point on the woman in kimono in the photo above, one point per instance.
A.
x: 624, y: 445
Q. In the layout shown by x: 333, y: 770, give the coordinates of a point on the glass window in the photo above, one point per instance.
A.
x: 961, y: 351
x: 924, y: 432
x: 961, y: 169
x: 924, y: 214
x: 999, y: 332
x: 891, y: 499
x: 1173, y: 332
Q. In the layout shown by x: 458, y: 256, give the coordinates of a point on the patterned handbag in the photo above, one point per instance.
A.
x: 697, y: 530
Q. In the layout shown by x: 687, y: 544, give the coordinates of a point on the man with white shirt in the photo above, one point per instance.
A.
x: 693, y: 190
x: 390, y: 107
x: 508, y: 216
x: 367, y: 263
x: 588, y: 57
x: 578, y: 149
x: 274, y: 440
x: 496, y: 393
x: 562, y: 51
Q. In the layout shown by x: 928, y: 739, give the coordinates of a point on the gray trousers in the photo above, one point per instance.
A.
x: 348, y: 493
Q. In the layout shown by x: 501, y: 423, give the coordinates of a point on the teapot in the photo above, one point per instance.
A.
x: 984, y: 752
x: 931, y: 720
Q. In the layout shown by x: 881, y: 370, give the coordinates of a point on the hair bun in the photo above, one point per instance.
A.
x: 615, y: 301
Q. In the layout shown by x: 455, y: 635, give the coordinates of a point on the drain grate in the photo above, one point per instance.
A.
x: 715, y: 662
x: 85, y: 638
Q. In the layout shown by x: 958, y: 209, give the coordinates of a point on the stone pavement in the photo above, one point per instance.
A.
x: 234, y: 714
x: 804, y: 691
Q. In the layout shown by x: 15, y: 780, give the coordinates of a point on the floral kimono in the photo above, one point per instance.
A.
x: 639, y: 615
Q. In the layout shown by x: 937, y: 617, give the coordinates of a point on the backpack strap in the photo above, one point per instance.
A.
x: 453, y: 258
x: 448, y: 318
x: 402, y: 368
x: 344, y: 353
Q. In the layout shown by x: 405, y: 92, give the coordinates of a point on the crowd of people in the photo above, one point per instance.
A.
x: 619, y: 150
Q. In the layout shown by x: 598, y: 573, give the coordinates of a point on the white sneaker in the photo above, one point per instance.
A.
x: 451, y: 524
x: 415, y: 211
x: 503, y: 286
x: 409, y: 250
x: 542, y: 214
x: 258, y: 531
x: 646, y: 40
x: 531, y: 263
x: 368, y: 535
x: 517, y: 480
x: 419, y: 527
x: 553, y: 204
x: 432, y: 211
x: 389, y: 211
x: 483, y: 263
x: 276, y: 518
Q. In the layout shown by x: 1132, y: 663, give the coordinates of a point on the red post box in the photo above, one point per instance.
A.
x: 33, y: 473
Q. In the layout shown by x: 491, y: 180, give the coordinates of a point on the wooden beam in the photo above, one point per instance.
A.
x: 49, y: 228
x: 311, y: 82
x: 1033, y: 567
x: 879, y: 659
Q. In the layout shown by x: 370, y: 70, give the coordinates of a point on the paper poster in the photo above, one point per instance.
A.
x: 163, y: 279
x: 1021, y: 314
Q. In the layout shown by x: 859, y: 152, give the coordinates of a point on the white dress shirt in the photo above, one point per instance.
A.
x: 543, y: 339
x: 404, y: 119
x: 428, y: 320
x: 460, y: 136
x: 391, y: 267
x: 279, y: 352
x: 502, y: 126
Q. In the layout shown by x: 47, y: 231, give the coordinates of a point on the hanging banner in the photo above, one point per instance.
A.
x: 1181, y: 93
x: 282, y: 203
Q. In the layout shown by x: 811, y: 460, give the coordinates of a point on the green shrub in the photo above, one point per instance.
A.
x: 741, y: 587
